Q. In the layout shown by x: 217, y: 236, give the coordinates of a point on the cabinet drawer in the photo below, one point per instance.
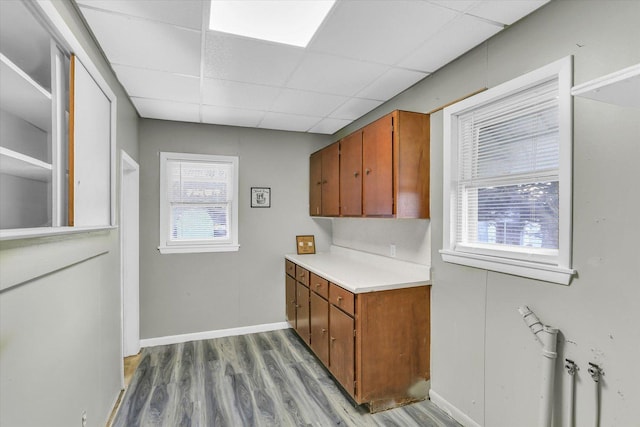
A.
x: 302, y: 275
x: 341, y: 298
x: 319, y: 285
x: 290, y: 268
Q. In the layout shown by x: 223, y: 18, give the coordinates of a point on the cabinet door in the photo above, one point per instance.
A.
x: 342, y: 348
x: 377, y: 156
x: 290, y: 295
x: 320, y: 327
x: 351, y: 175
x: 302, y: 312
x: 315, y: 184
x: 331, y: 180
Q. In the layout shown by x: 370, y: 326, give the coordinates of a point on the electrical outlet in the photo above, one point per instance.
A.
x: 392, y: 251
x: 84, y: 418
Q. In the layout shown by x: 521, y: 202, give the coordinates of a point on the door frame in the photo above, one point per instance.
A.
x: 129, y: 255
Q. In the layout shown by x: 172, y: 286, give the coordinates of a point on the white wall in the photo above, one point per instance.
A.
x: 60, y: 332
x: 188, y: 293
x: 485, y: 362
x: 411, y: 237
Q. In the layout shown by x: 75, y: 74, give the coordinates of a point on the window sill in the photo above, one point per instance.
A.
x: 165, y: 250
x: 547, y: 273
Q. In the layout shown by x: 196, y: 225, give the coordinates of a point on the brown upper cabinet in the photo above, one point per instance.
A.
x: 324, y: 176
x: 383, y: 170
x: 351, y: 175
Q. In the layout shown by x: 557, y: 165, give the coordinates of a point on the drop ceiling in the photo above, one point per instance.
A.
x: 365, y: 52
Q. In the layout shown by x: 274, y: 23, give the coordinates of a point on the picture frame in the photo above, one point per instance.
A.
x: 260, y: 197
x: 306, y: 244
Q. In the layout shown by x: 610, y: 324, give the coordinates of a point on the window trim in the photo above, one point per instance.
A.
x: 168, y: 247
x: 558, y: 269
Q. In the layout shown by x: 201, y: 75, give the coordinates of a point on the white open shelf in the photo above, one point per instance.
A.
x: 17, y: 164
x: 22, y: 96
x: 620, y: 88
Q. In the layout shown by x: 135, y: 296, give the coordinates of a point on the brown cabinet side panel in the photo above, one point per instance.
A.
x: 351, y: 175
x: 315, y: 184
x: 320, y: 327
x: 302, y: 313
x: 377, y: 164
x: 393, y: 341
x: 331, y: 180
x: 290, y: 296
x: 411, y: 171
x: 341, y: 348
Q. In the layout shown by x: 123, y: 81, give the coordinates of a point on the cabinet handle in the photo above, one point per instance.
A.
x: 324, y: 182
x: 317, y: 286
x: 319, y: 182
x: 332, y: 340
x: 339, y: 300
x: 355, y: 174
x: 367, y: 171
x: 324, y: 331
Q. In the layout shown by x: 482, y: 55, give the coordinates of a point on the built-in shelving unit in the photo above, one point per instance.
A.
x: 23, y: 166
x: 24, y: 97
x: 33, y: 85
x: 620, y: 88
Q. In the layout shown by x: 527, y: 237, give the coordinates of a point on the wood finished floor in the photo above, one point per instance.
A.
x: 265, y: 379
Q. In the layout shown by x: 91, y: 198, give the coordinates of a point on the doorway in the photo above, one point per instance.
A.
x: 129, y: 254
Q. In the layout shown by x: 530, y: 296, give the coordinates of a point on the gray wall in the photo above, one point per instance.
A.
x: 187, y: 293
x: 60, y: 333
x: 484, y: 361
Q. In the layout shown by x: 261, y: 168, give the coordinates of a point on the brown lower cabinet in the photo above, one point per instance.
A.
x: 302, y: 317
x: 375, y: 344
x: 319, y: 314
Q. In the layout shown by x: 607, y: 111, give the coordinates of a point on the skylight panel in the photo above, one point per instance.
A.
x: 292, y: 22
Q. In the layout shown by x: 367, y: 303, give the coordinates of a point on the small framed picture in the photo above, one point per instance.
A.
x: 305, y: 245
x: 260, y: 197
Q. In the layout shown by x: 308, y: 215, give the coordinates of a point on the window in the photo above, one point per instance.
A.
x: 198, y: 203
x: 507, y: 177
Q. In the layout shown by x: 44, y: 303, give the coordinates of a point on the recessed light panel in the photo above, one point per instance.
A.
x: 292, y: 22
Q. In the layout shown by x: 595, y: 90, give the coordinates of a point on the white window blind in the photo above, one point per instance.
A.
x: 508, y: 174
x: 200, y: 196
x: 198, y: 203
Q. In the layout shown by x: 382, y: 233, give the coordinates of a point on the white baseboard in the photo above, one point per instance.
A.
x: 453, y: 412
x: 207, y: 335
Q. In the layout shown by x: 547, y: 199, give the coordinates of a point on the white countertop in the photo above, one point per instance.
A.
x: 361, y: 272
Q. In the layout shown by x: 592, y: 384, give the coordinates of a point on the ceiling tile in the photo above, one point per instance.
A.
x: 330, y: 74
x: 166, y: 110
x: 144, y: 83
x: 238, y: 95
x: 185, y: 13
x: 505, y: 12
x: 306, y: 103
x: 460, y: 36
x: 329, y: 126
x: 382, y: 31
x: 290, y: 122
x: 247, y: 60
x: 355, y: 108
x: 231, y: 116
x: 145, y: 44
x: 391, y: 83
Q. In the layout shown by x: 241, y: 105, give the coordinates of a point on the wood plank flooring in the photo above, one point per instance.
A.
x: 265, y: 379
